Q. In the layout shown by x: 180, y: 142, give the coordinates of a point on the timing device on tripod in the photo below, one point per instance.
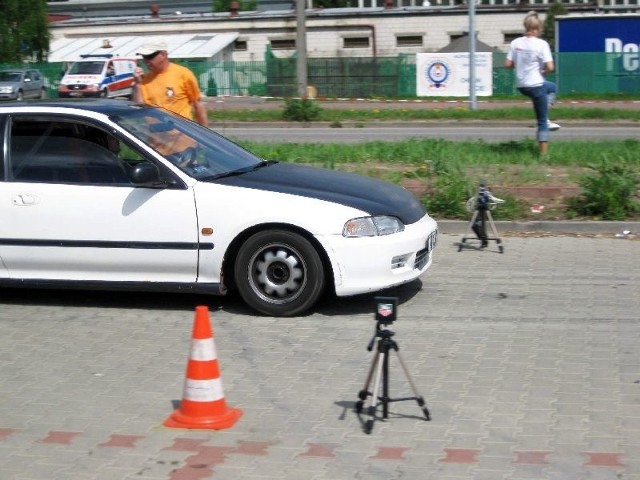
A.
x: 386, y: 308
x: 481, y: 206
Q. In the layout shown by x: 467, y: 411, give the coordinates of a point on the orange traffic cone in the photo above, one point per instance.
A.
x: 203, y: 405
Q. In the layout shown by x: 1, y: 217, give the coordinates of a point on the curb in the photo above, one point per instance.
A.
x: 459, y: 227
x: 222, y: 124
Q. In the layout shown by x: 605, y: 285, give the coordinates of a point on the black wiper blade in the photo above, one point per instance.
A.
x: 266, y: 163
x: 240, y: 171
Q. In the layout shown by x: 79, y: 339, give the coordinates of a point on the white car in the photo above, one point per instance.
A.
x: 108, y: 194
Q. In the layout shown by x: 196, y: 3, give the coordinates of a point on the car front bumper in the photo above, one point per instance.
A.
x: 79, y: 94
x: 369, y: 264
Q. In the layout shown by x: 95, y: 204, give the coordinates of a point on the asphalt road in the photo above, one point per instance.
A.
x: 362, y: 131
x: 489, y: 132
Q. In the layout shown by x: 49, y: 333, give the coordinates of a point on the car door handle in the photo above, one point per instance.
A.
x: 25, y: 200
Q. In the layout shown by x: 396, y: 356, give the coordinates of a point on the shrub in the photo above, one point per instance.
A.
x: 450, y: 194
x: 257, y: 89
x: 301, y: 110
x: 608, y: 193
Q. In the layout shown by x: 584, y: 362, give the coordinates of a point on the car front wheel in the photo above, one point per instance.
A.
x: 20, y: 96
x: 279, y: 273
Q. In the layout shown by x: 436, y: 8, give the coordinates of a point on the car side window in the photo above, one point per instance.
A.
x: 65, y: 152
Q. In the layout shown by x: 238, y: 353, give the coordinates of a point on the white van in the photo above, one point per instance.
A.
x: 98, y: 76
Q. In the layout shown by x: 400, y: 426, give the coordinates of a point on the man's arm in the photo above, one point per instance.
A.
x: 136, y: 94
x: 200, y: 113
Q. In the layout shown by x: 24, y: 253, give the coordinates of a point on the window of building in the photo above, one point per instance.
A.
x: 511, y: 36
x: 409, y: 41
x: 283, y: 44
x: 355, y: 42
x: 240, y: 45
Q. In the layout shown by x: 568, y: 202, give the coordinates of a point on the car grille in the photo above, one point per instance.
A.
x: 77, y: 87
x: 422, y: 256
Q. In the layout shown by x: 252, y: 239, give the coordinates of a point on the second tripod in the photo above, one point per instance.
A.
x: 379, y: 370
x: 481, y: 206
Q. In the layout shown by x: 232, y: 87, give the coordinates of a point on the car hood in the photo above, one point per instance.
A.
x: 363, y: 193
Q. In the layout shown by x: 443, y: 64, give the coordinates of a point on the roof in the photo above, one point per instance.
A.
x: 462, y: 45
x: 202, y: 45
x: 98, y: 105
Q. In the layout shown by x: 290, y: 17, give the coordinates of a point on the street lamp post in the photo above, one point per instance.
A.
x: 472, y: 55
x: 301, y: 47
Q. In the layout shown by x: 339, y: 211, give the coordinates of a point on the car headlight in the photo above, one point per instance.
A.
x: 372, y: 226
x: 6, y: 89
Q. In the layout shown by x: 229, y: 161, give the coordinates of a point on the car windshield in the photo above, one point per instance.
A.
x: 196, y: 150
x: 9, y: 77
x: 86, y: 68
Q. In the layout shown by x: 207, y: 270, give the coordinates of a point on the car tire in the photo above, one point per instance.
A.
x: 20, y: 96
x: 104, y: 93
x: 279, y: 273
x: 43, y: 94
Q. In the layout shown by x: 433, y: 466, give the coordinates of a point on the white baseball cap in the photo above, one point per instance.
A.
x: 152, y: 46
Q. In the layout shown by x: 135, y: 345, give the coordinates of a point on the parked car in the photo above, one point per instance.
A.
x: 20, y: 83
x: 110, y: 194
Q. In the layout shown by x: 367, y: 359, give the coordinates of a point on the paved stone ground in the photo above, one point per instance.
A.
x: 528, y: 361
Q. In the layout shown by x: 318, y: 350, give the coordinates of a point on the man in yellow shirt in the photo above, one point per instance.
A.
x: 167, y: 85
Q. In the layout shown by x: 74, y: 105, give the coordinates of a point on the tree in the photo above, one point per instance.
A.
x: 225, y: 5
x: 24, y: 31
x: 549, y: 26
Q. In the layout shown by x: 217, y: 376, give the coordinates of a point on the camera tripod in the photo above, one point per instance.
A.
x: 380, y: 368
x: 481, y: 206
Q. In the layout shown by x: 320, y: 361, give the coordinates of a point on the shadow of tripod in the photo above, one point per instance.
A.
x: 379, y: 369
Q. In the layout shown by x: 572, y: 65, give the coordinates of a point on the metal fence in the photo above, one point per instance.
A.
x: 389, y: 77
x: 395, y: 77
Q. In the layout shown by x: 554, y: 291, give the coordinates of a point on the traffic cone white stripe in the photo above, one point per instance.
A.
x: 203, y: 390
x: 203, y: 350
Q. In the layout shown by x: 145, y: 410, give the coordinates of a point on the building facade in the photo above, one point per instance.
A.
x: 330, y: 33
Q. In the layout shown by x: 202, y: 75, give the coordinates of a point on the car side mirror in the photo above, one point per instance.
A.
x: 27, y: 80
x: 145, y: 173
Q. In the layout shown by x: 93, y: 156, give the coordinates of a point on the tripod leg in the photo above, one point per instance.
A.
x: 469, y: 229
x: 375, y: 392
x: 494, y: 230
x: 385, y: 385
x: 362, y: 395
x: 470, y: 226
x: 480, y: 228
x: 419, y: 398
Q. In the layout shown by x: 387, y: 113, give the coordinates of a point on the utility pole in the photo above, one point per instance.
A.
x: 472, y: 55
x: 301, y: 48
